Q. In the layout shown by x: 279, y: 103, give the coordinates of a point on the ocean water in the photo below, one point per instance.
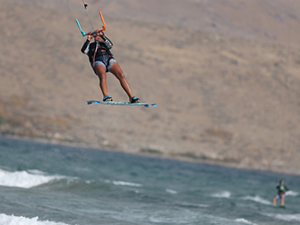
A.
x: 46, y: 184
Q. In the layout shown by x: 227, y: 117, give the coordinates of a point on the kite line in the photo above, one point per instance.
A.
x: 85, y: 5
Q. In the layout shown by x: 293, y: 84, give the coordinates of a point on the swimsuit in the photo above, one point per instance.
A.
x: 281, y: 191
x: 104, y: 60
x: 99, y: 54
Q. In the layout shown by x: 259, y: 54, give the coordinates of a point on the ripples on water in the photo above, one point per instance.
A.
x: 52, y: 184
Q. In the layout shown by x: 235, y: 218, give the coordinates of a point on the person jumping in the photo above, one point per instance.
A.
x: 102, y: 61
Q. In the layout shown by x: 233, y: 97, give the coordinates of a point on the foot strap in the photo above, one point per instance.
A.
x: 134, y: 99
x: 107, y: 97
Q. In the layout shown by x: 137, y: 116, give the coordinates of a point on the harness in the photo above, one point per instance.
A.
x: 281, y: 189
x: 101, y: 53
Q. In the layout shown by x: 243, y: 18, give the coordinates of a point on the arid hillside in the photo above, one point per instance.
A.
x: 225, y: 76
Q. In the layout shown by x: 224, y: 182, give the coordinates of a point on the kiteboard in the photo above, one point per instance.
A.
x: 121, y: 103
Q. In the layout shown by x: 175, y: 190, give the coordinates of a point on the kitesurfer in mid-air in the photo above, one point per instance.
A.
x: 281, y: 193
x: 102, y: 61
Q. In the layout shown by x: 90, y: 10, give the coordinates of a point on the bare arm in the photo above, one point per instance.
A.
x: 86, y: 46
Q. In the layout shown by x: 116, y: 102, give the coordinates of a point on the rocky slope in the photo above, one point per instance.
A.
x: 227, y: 89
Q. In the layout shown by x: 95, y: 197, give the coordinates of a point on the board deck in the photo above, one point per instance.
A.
x: 121, y: 103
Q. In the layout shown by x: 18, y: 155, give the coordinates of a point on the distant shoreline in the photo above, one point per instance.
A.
x: 181, y: 159
x: 227, y: 95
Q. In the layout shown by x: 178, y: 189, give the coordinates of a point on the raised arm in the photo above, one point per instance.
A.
x: 86, y: 46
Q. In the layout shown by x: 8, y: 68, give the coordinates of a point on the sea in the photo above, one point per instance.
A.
x: 51, y: 184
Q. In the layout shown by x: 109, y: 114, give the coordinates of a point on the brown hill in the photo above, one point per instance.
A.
x: 227, y: 88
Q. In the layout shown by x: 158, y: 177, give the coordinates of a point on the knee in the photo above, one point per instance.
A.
x: 100, y: 71
x: 121, y: 76
x: 102, y: 76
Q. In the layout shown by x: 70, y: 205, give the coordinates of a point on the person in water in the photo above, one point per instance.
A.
x: 281, y: 193
x: 102, y: 61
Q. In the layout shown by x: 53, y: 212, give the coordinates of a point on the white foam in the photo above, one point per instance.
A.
x: 223, y: 194
x: 24, y: 179
x: 173, y: 192
x: 123, y: 183
x: 16, y: 220
x: 258, y: 199
x: 242, y: 220
x: 291, y: 193
x: 284, y: 217
x: 183, y: 204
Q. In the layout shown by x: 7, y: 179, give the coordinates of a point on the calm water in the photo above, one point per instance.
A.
x: 52, y: 184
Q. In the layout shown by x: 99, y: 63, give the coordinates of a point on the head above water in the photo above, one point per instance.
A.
x: 281, y: 182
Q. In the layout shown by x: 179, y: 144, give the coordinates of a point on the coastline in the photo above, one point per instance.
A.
x: 188, y: 158
x: 222, y: 98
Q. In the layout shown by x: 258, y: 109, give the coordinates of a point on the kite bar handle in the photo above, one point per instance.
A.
x: 104, y: 26
x: 101, y: 16
x: 78, y: 24
x: 92, y: 32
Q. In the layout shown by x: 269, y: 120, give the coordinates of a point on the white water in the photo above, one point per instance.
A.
x: 15, y: 220
x: 291, y: 193
x: 242, y: 220
x: 223, y: 194
x: 24, y: 179
x: 284, y: 217
x: 173, y: 192
x: 258, y: 199
x: 124, y: 183
x: 113, y: 188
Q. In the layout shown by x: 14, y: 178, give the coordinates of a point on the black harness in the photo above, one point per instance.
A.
x: 100, y: 52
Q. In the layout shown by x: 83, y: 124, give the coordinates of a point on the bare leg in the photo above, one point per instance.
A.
x: 117, y: 71
x: 100, y: 71
x: 274, y: 201
x: 282, y: 201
